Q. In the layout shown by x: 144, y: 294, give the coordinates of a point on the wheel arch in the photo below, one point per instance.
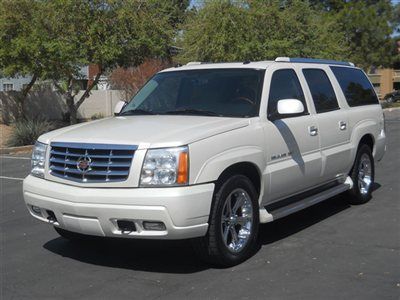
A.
x: 364, y: 132
x: 367, y: 139
x: 246, y: 168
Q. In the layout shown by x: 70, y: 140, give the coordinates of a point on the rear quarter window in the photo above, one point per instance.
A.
x: 356, y: 87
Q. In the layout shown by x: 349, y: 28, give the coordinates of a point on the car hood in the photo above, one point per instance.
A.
x: 145, y: 131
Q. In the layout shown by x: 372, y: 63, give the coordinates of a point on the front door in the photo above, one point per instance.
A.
x: 293, y: 158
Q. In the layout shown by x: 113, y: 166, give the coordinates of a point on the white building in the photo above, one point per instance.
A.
x: 14, y: 84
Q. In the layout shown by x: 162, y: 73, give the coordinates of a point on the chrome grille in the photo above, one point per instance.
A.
x: 91, y: 162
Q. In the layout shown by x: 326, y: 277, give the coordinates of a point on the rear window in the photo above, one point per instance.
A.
x: 356, y: 87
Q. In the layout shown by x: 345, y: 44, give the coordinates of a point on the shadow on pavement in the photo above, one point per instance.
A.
x: 287, y: 226
x: 282, y: 228
x: 143, y: 255
x: 178, y: 256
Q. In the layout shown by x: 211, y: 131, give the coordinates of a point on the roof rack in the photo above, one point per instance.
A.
x: 191, y: 63
x: 314, y: 61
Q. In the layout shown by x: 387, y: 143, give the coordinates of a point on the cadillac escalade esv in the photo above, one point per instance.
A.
x: 207, y: 152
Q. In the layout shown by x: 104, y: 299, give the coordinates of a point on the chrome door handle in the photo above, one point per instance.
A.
x: 313, y: 130
x: 342, y: 125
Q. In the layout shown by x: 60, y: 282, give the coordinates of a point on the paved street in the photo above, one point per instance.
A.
x: 329, y: 251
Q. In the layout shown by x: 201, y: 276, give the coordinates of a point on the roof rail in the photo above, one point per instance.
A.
x: 313, y: 61
x: 194, y: 63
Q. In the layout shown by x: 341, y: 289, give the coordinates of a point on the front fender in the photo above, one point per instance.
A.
x: 214, y: 166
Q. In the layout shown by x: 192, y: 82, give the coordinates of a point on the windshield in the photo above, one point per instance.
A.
x: 211, y: 92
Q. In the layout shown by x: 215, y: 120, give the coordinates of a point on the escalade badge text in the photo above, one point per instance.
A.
x: 83, y: 164
x: 282, y: 155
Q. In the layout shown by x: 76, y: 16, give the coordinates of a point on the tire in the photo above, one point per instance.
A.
x: 69, y: 235
x: 363, y: 176
x: 221, y: 246
x: 389, y: 100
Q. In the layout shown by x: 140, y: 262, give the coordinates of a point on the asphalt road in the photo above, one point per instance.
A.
x: 329, y: 251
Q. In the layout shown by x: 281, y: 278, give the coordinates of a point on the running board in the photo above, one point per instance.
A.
x: 309, y: 201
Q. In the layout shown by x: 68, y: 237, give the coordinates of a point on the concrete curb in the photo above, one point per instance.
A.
x: 391, y: 108
x: 12, y: 150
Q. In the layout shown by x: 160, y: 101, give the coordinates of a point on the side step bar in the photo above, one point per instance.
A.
x: 284, y: 211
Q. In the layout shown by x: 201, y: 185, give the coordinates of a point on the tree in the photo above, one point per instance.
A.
x: 21, y: 51
x: 396, y: 20
x: 107, y: 33
x: 368, y: 26
x: 258, y: 30
x: 368, y: 30
x: 130, y: 80
x: 174, y: 10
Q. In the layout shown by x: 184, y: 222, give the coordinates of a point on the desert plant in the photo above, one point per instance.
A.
x: 26, y: 132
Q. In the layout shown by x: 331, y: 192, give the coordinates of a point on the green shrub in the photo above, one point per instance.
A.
x: 390, y: 105
x: 97, y: 116
x: 26, y: 132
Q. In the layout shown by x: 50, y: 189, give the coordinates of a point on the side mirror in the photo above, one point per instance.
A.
x: 290, y: 107
x: 119, y: 107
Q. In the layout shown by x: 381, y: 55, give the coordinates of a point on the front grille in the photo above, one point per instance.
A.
x: 91, y: 162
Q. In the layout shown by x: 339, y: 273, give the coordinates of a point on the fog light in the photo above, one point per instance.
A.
x: 126, y: 226
x: 51, y: 216
x: 159, y: 226
x: 36, y: 210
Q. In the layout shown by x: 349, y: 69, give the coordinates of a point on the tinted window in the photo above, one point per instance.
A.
x: 284, y: 85
x: 223, y: 92
x: 321, y: 90
x: 356, y: 86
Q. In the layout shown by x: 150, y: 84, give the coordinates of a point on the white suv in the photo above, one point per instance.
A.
x: 210, y: 151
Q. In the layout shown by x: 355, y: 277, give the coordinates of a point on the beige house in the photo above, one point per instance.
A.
x: 385, y: 81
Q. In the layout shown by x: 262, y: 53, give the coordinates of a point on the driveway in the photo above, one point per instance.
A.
x: 329, y: 251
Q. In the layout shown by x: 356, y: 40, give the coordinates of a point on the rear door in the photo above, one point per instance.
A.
x: 332, y: 120
x: 293, y: 154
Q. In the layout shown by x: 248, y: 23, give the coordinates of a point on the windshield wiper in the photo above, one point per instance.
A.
x: 192, y: 111
x: 136, y: 112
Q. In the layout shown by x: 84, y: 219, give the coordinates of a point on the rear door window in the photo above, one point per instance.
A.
x: 321, y: 90
x: 356, y: 87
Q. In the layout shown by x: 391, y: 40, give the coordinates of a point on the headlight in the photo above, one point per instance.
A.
x: 38, y: 159
x: 165, y: 167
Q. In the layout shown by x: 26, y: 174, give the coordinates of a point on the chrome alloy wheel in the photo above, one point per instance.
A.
x: 364, y: 174
x: 237, y: 220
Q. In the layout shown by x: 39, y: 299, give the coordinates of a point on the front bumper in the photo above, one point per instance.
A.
x: 94, y: 211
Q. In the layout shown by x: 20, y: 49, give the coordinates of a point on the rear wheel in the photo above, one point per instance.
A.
x: 363, y: 175
x: 233, y: 224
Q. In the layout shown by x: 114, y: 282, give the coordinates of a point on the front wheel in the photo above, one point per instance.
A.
x: 363, y: 176
x: 233, y: 224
